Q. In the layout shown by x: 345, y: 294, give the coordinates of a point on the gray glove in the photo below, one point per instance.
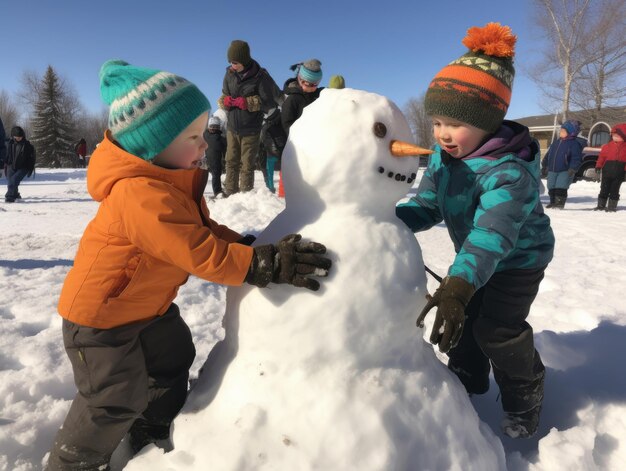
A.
x: 290, y: 261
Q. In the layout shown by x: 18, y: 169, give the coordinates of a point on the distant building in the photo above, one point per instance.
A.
x: 596, y: 125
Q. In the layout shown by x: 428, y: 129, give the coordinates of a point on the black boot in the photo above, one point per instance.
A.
x: 559, y: 202
x: 521, y: 401
x: 612, y: 207
x: 475, y: 377
x: 551, y: 195
x: 601, y: 204
x: 142, y: 433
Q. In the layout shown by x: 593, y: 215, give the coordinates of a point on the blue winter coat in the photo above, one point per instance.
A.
x: 563, y: 154
x: 490, y: 204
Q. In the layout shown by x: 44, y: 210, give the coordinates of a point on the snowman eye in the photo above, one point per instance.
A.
x: 380, y: 130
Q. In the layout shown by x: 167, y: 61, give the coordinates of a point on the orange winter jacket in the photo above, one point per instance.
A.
x: 151, y: 231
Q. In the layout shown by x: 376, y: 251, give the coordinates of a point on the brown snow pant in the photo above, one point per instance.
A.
x: 136, y: 371
x: 241, y: 160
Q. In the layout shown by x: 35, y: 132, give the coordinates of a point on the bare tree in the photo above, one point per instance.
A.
x: 575, y: 30
x: 602, y: 82
x: 419, y: 121
x: 8, y: 112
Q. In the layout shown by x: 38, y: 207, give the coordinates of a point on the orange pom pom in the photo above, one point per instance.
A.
x: 493, y: 39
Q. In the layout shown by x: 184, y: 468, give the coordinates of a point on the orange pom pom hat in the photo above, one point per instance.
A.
x: 476, y: 88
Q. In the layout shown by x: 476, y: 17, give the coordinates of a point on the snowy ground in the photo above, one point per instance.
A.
x: 579, y: 320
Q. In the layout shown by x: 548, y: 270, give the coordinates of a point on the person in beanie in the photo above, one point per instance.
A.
x: 337, y: 81
x: 561, y: 163
x: 129, y: 348
x: 248, y: 92
x: 301, y: 91
x: 483, y: 182
x: 215, y: 153
x: 612, y: 164
x: 19, y: 163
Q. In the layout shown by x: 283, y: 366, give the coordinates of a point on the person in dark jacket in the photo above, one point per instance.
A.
x: 301, y: 91
x: 248, y: 92
x: 612, y: 163
x: 215, y: 152
x: 81, y: 152
x: 562, y: 161
x: 272, y: 143
x: 3, y: 145
x: 19, y: 163
x: 483, y: 182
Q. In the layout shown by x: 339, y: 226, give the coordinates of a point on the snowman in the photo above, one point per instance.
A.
x: 341, y: 378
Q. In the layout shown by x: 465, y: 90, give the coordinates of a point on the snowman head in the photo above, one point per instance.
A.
x: 343, y: 146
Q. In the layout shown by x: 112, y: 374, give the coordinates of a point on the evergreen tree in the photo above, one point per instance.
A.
x: 52, y: 131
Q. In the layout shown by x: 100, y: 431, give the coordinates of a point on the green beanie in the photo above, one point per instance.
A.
x: 336, y: 81
x: 148, y: 108
x: 239, y: 51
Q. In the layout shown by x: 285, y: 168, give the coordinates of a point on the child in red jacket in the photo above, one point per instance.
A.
x: 612, y: 163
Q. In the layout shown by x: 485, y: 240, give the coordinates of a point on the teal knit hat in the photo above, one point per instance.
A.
x: 148, y: 108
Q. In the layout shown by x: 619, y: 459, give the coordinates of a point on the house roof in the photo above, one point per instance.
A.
x: 610, y: 115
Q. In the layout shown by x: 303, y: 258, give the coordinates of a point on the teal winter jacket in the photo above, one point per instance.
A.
x: 490, y: 204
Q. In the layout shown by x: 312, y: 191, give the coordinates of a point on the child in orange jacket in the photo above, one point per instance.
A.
x: 129, y: 347
x: 612, y: 163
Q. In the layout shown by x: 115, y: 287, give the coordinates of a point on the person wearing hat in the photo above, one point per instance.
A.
x: 301, y: 90
x: 129, y: 347
x: 215, y: 153
x: 562, y: 161
x: 612, y: 165
x: 248, y: 92
x: 483, y: 182
x: 337, y: 81
x: 19, y: 163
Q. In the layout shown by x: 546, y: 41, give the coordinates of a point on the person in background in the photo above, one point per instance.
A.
x: 215, y: 152
x: 129, y: 347
x: 272, y: 143
x: 301, y: 91
x: 19, y: 163
x: 81, y: 152
x: 337, y: 81
x: 3, y: 145
x: 483, y: 182
x: 612, y: 163
x: 248, y: 92
x: 561, y: 162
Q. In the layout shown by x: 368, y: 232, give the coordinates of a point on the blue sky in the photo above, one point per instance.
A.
x: 393, y: 48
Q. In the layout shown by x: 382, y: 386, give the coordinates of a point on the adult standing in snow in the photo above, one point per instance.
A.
x: 301, y: 91
x: 3, y: 145
x: 19, y: 163
x: 129, y: 347
x: 248, y: 92
x: 612, y: 163
x: 81, y: 152
x: 562, y: 161
x: 483, y: 181
x: 215, y: 152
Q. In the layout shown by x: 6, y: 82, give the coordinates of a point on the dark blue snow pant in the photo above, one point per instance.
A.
x: 497, y: 335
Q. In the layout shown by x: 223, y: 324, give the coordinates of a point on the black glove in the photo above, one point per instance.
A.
x: 289, y: 261
x: 248, y: 240
x: 571, y: 172
x: 451, y: 298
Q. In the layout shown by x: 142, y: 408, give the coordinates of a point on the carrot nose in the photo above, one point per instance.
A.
x: 406, y: 149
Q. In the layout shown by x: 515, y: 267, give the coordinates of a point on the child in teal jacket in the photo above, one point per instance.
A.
x: 483, y: 182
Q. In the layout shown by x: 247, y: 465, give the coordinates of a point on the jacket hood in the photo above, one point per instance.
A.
x: 109, y: 164
x: 510, y: 138
x: 620, y: 129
